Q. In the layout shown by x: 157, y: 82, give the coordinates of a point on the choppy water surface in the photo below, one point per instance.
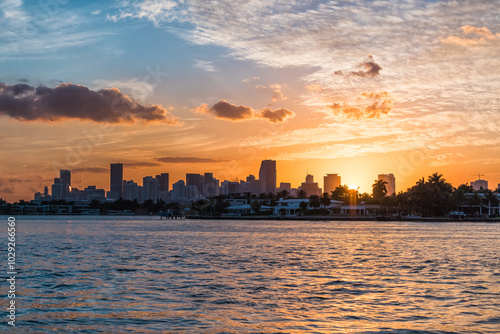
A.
x: 133, y: 274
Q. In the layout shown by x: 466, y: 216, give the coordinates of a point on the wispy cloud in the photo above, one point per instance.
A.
x: 141, y: 90
x: 247, y: 80
x: 276, y: 90
x: 367, y: 68
x: 204, y: 65
x: 35, y: 30
x: 156, y: 11
x: 472, y: 36
x: 380, y: 105
x: 188, y: 160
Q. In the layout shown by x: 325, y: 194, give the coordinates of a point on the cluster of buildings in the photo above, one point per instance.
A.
x: 194, y: 187
x: 237, y: 194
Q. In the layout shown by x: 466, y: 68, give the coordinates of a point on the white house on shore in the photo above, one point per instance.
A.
x: 291, y: 207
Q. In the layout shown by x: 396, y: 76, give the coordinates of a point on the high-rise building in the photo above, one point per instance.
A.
x: 91, y: 192
x: 285, y: 186
x: 267, y: 173
x: 116, y: 181
x: 65, y: 179
x: 150, y: 188
x: 391, y: 183
x: 164, y: 181
x: 479, y: 184
x: 57, y: 189
x: 195, y: 180
x: 330, y: 182
x: 210, y: 185
x: 130, y: 190
x: 179, y: 190
x: 311, y: 187
x: 252, y: 185
x: 230, y: 187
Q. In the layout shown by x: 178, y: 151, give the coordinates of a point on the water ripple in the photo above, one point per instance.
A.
x: 127, y: 274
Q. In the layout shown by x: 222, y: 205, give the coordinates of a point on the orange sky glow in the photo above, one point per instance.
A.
x: 178, y: 90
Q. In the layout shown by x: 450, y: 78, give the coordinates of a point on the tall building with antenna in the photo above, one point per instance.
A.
x: 479, y: 184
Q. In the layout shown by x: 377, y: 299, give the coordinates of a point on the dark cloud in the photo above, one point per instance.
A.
x: 381, y: 105
x: 276, y: 116
x: 27, y: 103
x: 140, y: 164
x: 27, y: 179
x: 223, y: 109
x: 23, y: 80
x: 7, y: 191
x: 174, y: 160
x: 367, y: 68
x: 91, y: 170
x: 228, y: 111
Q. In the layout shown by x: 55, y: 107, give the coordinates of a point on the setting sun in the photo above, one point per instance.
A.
x: 353, y: 187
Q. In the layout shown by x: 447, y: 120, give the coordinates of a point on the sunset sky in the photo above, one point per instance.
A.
x: 356, y: 88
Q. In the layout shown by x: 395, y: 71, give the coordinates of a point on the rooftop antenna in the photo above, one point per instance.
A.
x: 479, y: 176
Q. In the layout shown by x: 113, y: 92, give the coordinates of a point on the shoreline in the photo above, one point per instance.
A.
x: 289, y: 218
x: 350, y: 218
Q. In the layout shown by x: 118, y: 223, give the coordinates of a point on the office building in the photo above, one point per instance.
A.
x: 116, y: 181
x: 57, y: 189
x: 267, y: 174
x: 330, y: 182
x: 130, y: 190
x: 479, y: 184
x: 65, y: 179
x: 311, y: 187
x: 179, y: 190
x: 91, y: 192
x: 163, y: 178
x: 195, y: 180
x: 391, y: 183
x: 150, y: 189
x: 253, y: 186
x: 210, y: 185
x: 230, y: 187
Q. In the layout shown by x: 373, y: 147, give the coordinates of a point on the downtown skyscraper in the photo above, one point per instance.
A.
x: 267, y: 173
x: 116, y: 181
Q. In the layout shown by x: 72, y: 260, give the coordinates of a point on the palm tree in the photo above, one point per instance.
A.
x: 283, y: 194
x: 314, y: 202
x: 436, y: 178
x: 421, y: 181
x: 325, y: 200
x: 341, y: 193
x: 379, y: 189
x: 303, y: 207
x: 302, y: 194
x: 255, y: 205
x: 491, y: 198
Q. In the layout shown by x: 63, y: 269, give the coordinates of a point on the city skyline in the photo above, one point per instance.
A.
x: 357, y: 89
x: 204, y: 186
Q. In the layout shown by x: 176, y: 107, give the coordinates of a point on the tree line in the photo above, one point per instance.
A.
x: 431, y: 197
